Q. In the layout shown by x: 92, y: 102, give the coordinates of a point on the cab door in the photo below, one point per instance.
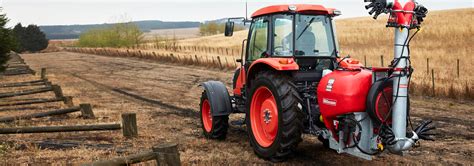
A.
x: 257, y: 47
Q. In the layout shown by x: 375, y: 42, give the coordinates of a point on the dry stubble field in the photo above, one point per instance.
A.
x: 166, y: 100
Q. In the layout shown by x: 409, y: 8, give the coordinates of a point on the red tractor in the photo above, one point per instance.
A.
x: 292, y: 81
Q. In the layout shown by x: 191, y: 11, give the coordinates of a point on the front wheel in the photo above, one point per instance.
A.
x: 274, y: 120
x: 213, y: 127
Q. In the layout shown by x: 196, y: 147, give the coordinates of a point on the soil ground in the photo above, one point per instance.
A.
x: 166, y: 100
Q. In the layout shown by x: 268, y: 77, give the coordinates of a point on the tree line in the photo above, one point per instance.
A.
x: 19, y: 39
x: 29, y: 38
x: 7, y: 41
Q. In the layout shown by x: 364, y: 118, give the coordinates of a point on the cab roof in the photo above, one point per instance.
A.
x: 298, y: 8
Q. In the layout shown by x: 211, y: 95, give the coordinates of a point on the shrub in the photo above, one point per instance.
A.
x: 116, y: 35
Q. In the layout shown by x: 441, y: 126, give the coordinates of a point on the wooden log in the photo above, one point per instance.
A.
x: 167, y: 154
x: 17, y: 66
x: 86, y: 110
x: 48, y: 84
x: 16, y: 74
x: 129, y: 125
x: 20, y: 84
x: 53, y: 129
x: 25, y: 92
x: 40, y: 101
x: 132, y: 159
x: 40, y: 115
x: 17, y: 69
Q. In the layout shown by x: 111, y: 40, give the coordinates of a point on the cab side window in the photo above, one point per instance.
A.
x: 258, y: 40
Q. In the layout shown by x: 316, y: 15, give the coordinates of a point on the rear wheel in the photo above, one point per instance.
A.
x: 213, y: 127
x: 274, y: 120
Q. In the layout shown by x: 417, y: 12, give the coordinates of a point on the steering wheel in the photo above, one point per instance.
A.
x: 280, y: 51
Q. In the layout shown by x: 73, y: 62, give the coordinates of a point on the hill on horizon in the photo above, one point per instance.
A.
x: 74, y: 31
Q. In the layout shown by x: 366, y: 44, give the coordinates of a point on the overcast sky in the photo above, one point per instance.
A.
x: 60, y: 12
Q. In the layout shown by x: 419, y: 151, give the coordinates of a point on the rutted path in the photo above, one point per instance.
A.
x: 168, y: 98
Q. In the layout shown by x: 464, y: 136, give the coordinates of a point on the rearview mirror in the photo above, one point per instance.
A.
x: 229, y: 28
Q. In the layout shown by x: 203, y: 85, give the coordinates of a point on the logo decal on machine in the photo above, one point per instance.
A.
x: 329, y: 102
x: 329, y: 85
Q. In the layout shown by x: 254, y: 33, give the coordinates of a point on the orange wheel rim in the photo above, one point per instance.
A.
x: 206, y: 115
x: 264, y: 117
x: 383, y: 104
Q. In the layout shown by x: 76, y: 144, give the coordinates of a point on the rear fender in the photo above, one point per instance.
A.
x: 279, y: 64
x: 275, y: 64
x: 219, y: 98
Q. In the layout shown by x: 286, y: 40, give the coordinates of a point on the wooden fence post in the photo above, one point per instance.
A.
x: 43, y: 73
x: 173, y: 59
x: 428, y: 65
x: 458, y: 68
x: 167, y: 154
x: 58, y: 92
x: 220, y: 63
x: 86, y: 110
x: 226, y: 62
x: 433, y: 82
x: 68, y: 101
x: 129, y: 125
x: 381, y: 60
x: 365, y: 60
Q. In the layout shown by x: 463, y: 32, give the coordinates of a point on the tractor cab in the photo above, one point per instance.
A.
x: 292, y: 32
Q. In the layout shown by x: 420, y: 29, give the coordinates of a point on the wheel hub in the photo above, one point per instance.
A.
x: 267, y: 117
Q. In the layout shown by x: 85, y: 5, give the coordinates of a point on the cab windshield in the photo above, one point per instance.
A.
x: 313, y: 36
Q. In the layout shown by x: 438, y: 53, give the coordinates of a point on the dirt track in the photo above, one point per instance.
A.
x: 165, y: 97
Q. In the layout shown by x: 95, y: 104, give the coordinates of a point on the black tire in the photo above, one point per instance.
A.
x: 375, y: 90
x: 220, y: 124
x: 290, y: 125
